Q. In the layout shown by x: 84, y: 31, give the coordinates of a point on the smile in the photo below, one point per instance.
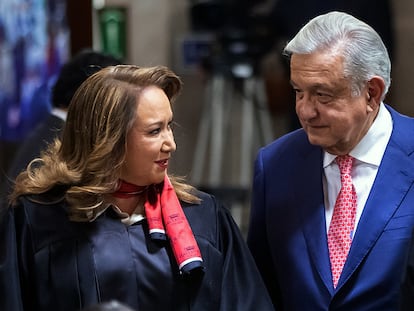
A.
x: 162, y: 163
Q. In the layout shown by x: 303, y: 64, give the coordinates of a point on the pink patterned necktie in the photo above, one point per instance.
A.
x: 343, y: 219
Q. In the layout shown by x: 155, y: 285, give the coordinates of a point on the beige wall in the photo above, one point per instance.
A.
x: 153, y: 26
x: 156, y: 26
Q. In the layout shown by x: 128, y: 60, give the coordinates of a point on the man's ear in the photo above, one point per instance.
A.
x: 375, y: 88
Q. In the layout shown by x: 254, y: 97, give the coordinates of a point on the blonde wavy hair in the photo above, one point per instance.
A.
x: 86, y: 161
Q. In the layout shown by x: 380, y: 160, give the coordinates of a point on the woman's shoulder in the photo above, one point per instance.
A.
x: 208, y: 217
x: 44, y: 217
x: 51, y: 197
x: 208, y: 203
x: 42, y: 208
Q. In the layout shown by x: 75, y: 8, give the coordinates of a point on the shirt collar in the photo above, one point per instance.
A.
x: 372, y: 146
x: 124, y: 217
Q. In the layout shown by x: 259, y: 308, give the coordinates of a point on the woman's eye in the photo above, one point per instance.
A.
x: 155, y: 131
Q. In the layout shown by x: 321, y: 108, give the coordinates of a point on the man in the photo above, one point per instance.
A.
x: 285, y: 21
x: 316, y: 251
x: 71, y: 76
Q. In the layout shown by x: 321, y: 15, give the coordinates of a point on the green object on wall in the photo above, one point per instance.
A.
x: 113, y: 31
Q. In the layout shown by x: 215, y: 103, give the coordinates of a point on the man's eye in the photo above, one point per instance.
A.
x: 298, y: 93
x: 324, y: 98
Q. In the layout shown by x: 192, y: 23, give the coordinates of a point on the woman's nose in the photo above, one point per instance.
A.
x: 169, y: 143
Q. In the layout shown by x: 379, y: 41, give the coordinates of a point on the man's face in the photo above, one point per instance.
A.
x: 330, y: 115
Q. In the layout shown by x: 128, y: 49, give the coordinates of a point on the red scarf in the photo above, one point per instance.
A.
x: 127, y: 190
x: 166, y: 218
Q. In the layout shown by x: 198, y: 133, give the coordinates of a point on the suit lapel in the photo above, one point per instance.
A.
x: 394, y: 179
x: 311, y: 204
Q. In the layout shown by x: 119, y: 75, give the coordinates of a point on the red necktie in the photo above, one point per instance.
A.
x: 343, y: 219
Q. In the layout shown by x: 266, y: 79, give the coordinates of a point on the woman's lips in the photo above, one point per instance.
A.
x: 162, y: 163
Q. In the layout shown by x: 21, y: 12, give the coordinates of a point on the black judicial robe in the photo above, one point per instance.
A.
x: 49, y: 263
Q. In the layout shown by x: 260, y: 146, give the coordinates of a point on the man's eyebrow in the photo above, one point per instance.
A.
x: 312, y: 86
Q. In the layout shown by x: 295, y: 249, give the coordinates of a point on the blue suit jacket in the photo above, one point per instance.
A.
x: 287, y: 232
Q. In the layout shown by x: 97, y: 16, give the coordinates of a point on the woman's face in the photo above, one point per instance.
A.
x: 150, y: 142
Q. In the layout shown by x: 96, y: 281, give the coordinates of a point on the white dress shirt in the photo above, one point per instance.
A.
x: 368, y: 155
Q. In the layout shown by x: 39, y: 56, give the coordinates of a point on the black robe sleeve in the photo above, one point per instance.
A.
x: 10, y: 297
x: 49, y: 263
x: 242, y: 287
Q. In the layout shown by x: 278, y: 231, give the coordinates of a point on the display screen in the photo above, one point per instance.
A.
x: 34, y: 43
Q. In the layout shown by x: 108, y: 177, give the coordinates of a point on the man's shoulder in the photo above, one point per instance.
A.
x: 397, y: 116
x: 290, y: 143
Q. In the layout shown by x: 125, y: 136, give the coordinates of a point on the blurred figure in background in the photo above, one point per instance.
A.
x: 71, y: 76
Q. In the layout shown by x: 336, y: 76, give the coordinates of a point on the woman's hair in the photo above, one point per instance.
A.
x: 87, y: 160
x: 365, y: 55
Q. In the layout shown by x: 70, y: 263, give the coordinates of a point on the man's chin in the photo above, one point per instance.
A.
x: 315, y: 140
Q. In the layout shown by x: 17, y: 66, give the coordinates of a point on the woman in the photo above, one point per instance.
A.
x: 98, y: 218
